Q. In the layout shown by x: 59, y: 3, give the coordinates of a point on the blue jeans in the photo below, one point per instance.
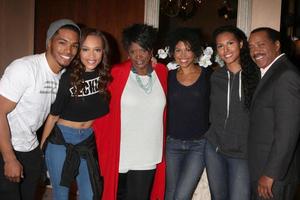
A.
x: 55, y: 157
x: 185, y: 164
x: 228, y: 177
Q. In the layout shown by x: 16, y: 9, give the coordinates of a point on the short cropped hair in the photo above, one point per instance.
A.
x: 272, y: 34
x: 142, y: 34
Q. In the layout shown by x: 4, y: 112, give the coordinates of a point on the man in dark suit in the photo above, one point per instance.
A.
x: 274, y: 120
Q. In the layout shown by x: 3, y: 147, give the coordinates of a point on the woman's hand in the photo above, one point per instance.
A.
x: 153, y: 62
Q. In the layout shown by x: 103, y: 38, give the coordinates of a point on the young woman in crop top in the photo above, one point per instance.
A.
x: 82, y: 97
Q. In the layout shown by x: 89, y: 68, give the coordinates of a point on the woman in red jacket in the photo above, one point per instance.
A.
x: 130, y: 139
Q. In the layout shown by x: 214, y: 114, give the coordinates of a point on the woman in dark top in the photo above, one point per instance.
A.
x: 188, y: 103
x: 232, y: 87
x: 82, y: 97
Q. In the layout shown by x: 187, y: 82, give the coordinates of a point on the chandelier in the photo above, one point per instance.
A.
x: 173, y: 8
x: 186, y: 8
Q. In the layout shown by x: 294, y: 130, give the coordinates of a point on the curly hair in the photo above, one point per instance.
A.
x: 103, y: 69
x: 250, y: 72
x: 186, y: 35
x: 142, y: 34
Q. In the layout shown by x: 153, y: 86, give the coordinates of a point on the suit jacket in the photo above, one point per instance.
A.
x: 107, y: 134
x: 275, y: 123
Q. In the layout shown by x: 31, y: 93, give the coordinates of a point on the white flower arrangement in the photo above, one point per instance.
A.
x: 219, y: 61
x: 163, y: 53
x: 172, y: 65
x: 203, y: 60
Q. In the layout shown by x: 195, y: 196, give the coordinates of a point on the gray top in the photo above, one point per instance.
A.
x: 228, y: 131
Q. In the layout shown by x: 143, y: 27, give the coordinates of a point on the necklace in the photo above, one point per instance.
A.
x: 147, y: 87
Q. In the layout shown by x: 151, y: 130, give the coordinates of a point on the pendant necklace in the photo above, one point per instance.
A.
x: 147, y: 87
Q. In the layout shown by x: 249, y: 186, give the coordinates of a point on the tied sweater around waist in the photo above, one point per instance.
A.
x: 86, y: 150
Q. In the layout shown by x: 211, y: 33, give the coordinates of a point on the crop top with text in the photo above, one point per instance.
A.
x: 88, y: 105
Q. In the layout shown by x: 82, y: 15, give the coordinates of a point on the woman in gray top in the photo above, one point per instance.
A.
x: 232, y: 87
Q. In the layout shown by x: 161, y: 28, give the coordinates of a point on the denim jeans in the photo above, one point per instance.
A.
x: 185, y: 164
x: 228, y: 177
x: 55, y: 156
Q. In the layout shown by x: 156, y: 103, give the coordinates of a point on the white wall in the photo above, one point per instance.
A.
x: 266, y: 13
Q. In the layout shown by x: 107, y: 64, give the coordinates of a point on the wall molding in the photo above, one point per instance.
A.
x: 151, y: 15
x: 244, y: 15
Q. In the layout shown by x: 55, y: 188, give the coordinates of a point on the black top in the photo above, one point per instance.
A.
x: 228, y: 134
x: 188, y: 115
x: 87, y: 106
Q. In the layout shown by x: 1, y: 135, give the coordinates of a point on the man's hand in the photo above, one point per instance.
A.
x: 13, y: 170
x: 264, y: 188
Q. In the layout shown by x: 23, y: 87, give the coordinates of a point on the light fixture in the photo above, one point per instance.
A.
x: 227, y: 11
x: 184, y: 8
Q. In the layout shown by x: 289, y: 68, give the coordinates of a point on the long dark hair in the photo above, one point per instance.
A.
x: 103, y: 69
x: 250, y: 72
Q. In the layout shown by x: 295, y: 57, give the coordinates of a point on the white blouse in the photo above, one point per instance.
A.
x: 141, y: 124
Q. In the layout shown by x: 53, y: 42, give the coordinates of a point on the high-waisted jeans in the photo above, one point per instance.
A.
x: 55, y: 157
x: 185, y: 164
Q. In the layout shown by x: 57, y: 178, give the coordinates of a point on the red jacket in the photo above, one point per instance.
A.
x: 107, y: 133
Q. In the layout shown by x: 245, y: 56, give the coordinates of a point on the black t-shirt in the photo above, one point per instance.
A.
x: 88, y: 105
x: 188, y: 107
